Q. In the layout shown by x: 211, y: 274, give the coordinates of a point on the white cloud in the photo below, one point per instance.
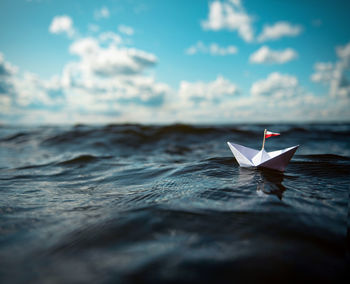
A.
x: 343, y: 53
x: 62, y: 24
x: 102, y: 13
x: 229, y: 15
x: 112, y: 59
x: 276, y: 86
x: 126, y: 30
x: 93, y: 93
x: 269, y: 56
x: 24, y: 89
x: 5, y: 103
x: 323, y: 73
x: 109, y: 77
x: 6, y: 68
x: 30, y: 89
x: 334, y: 74
x: 84, y: 46
x: 278, y: 30
x: 81, y: 95
x: 214, y: 91
x: 202, y: 101
x: 106, y: 82
x: 213, y: 49
x: 7, y: 72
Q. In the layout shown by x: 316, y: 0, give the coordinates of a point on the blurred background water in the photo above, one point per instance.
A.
x: 169, y: 204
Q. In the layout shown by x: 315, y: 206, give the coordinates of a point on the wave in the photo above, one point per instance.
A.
x: 133, y: 201
x: 17, y: 137
x: 134, y: 133
x: 83, y: 159
x: 326, y: 157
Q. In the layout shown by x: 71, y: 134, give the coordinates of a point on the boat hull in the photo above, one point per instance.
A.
x: 248, y: 157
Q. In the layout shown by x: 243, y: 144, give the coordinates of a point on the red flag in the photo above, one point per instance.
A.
x: 270, y: 134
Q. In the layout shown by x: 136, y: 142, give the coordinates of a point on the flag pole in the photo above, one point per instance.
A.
x: 262, y: 148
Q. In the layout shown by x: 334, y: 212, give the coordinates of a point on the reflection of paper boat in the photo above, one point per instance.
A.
x: 248, y: 157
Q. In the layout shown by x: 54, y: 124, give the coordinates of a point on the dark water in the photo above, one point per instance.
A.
x: 169, y: 204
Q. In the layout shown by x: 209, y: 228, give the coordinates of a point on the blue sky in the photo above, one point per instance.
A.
x: 174, y: 61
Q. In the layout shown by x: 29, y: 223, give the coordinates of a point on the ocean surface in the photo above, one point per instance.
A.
x: 169, y: 204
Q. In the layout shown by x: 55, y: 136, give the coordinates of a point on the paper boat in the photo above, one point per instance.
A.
x: 248, y: 157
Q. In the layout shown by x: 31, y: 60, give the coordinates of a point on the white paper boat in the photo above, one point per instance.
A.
x: 248, y: 157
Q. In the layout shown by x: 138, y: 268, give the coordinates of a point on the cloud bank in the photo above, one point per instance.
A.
x: 334, y: 74
x: 276, y: 85
x: 109, y: 80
